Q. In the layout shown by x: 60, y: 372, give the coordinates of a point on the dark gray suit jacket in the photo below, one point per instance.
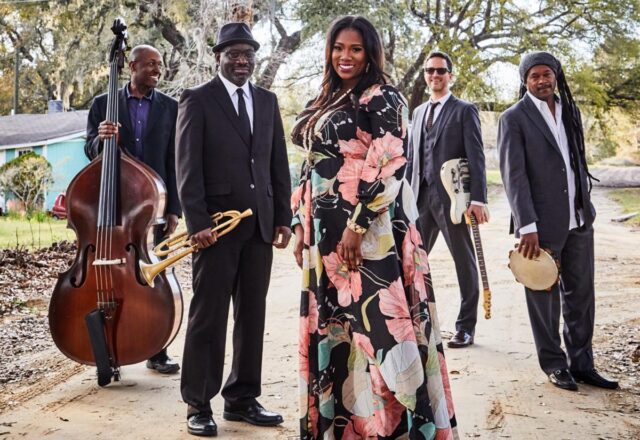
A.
x: 218, y: 171
x: 457, y: 135
x: 534, y: 175
x: 159, y: 138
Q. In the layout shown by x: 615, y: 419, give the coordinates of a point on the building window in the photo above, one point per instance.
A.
x: 22, y: 151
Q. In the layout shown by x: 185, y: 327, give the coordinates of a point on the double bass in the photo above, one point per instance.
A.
x: 102, y: 311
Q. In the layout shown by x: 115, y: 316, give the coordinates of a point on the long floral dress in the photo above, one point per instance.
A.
x: 371, y: 357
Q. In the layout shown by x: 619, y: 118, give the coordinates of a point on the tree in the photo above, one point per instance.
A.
x: 27, y: 177
x: 478, y: 34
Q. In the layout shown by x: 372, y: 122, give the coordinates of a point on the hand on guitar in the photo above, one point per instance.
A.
x: 529, y: 245
x: 479, y: 212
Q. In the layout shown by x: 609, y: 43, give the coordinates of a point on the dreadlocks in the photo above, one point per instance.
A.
x: 570, y: 113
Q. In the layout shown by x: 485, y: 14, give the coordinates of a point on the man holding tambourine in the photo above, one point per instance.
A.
x: 545, y: 175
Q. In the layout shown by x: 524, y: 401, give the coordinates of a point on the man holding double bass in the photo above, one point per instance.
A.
x: 547, y: 181
x: 146, y: 129
x: 231, y: 155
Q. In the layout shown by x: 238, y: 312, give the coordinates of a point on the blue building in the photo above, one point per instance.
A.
x: 59, y: 137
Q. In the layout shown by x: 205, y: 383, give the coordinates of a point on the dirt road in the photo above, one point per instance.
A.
x: 498, y: 389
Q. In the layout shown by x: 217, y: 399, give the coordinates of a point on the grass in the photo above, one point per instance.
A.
x: 629, y: 199
x: 493, y: 178
x: 20, y: 232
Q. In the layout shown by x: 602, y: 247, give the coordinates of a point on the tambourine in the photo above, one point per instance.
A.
x: 540, y: 273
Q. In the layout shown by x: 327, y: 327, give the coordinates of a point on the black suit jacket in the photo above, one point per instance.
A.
x: 159, y: 138
x: 217, y: 170
x: 534, y: 175
x: 458, y: 134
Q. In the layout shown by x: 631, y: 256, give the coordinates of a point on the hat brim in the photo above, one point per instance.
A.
x: 219, y: 47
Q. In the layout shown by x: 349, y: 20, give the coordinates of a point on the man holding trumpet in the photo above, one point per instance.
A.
x: 231, y: 155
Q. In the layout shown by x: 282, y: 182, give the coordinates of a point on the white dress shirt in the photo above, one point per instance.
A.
x: 232, y: 89
x: 438, y: 109
x: 557, y: 129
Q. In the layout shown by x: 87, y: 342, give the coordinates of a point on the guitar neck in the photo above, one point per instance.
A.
x: 478, y: 245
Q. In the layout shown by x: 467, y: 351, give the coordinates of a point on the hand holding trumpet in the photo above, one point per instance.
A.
x: 204, y: 239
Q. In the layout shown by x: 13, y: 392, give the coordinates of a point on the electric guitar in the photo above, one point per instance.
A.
x: 457, y: 183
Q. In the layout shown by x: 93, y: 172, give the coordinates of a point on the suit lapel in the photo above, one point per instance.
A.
x: 443, y: 117
x: 534, y: 114
x: 224, y: 101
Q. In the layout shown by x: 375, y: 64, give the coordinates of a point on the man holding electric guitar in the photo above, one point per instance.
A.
x: 446, y: 128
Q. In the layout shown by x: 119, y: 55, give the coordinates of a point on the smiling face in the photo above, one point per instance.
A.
x: 146, y: 70
x: 437, y: 76
x: 237, y: 62
x: 541, y: 82
x: 348, y: 57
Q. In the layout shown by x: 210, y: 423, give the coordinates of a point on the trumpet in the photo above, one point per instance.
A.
x: 181, y: 243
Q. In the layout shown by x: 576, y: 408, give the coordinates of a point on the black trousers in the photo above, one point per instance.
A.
x: 573, y: 296
x: 232, y: 269
x: 158, y: 236
x: 434, y: 218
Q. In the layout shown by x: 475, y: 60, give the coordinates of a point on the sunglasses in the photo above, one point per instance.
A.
x: 432, y: 70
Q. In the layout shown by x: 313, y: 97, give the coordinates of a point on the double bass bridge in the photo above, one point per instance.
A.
x: 112, y: 262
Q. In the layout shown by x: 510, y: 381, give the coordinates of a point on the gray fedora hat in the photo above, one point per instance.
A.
x: 232, y: 33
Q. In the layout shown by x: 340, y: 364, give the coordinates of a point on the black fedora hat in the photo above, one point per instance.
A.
x: 232, y: 33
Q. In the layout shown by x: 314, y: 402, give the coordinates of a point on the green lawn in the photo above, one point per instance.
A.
x: 32, y: 234
x: 493, y: 178
x: 629, y: 199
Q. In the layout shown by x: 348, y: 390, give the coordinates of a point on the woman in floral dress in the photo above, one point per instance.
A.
x: 371, y: 359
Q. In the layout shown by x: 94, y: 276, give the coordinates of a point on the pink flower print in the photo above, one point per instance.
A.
x: 444, y: 434
x: 307, y: 213
x: 359, y: 428
x: 385, y: 156
x: 364, y: 343
x: 365, y: 137
x: 414, y: 261
x: 369, y: 94
x: 313, y: 415
x: 349, y: 177
x: 303, y: 351
x: 393, y: 303
x: 446, y: 384
x: 295, y: 198
x: 355, y: 148
x: 388, y: 418
x: 348, y: 284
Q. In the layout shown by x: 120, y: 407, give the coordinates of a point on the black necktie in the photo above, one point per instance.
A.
x: 432, y: 111
x: 243, y: 115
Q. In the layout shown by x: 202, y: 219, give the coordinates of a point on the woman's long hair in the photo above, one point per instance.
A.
x: 331, y: 82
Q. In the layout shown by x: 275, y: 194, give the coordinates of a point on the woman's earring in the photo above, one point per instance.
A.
x: 366, y: 70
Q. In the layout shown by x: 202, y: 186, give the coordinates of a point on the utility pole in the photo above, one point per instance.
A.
x: 16, y: 83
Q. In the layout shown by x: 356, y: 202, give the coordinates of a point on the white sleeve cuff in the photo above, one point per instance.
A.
x: 528, y: 229
x: 473, y: 202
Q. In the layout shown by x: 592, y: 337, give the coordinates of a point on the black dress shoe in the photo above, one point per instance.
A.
x: 202, y: 424
x: 563, y: 379
x: 164, y: 365
x: 460, y: 339
x: 253, y: 413
x: 592, y: 377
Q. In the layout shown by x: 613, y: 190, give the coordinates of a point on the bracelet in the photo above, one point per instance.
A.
x: 355, y: 227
